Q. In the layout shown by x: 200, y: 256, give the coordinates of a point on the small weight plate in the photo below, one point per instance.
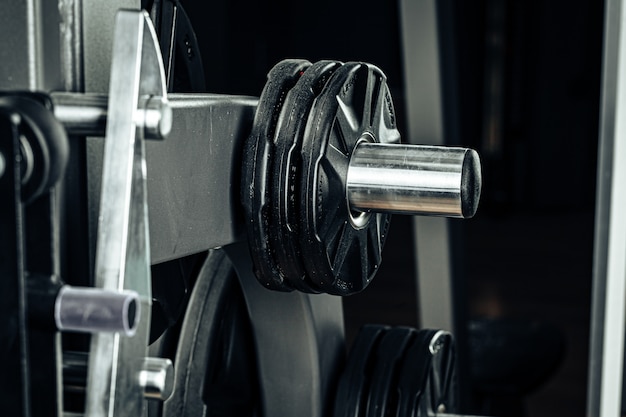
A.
x: 257, y: 170
x: 342, y: 248
x: 45, y: 139
x: 426, y: 381
x: 382, y: 398
x: 414, y: 374
x: 284, y: 185
x: 443, y: 384
x: 354, y: 384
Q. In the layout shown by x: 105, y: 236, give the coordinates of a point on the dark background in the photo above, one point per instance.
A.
x: 526, y: 79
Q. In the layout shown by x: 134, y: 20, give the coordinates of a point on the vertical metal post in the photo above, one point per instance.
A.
x: 609, y: 275
x: 14, y: 358
x: 424, y: 108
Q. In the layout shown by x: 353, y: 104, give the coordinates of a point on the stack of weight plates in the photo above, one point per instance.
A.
x: 398, y: 372
x: 302, y: 232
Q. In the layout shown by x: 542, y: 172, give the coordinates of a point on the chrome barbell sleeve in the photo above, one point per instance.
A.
x: 414, y: 179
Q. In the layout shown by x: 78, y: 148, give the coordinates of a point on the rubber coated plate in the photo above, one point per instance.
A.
x: 45, y: 139
x: 354, y: 385
x: 257, y: 170
x: 214, y: 363
x: 341, y: 248
x: 389, y: 354
x: 442, y: 387
x: 414, y: 374
x: 427, y: 380
x: 285, y: 220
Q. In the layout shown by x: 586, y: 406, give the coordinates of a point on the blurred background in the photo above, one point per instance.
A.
x: 520, y: 83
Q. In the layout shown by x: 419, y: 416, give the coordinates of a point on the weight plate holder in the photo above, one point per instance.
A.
x: 257, y: 169
x: 284, y: 183
x: 342, y: 248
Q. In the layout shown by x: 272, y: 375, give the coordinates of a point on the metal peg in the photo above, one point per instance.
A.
x: 414, y: 179
x: 86, y: 114
x: 95, y: 310
x: 157, y: 378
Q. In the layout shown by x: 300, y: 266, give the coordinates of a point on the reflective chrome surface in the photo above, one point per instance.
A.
x: 157, y: 378
x: 414, y: 179
x: 86, y: 114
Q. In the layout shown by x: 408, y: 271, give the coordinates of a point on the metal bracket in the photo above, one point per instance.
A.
x: 122, y: 254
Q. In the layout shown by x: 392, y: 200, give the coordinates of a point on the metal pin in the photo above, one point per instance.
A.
x: 94, y: 310
x: 414, y: 179
x: 86, y: 114
x: 157, y: 378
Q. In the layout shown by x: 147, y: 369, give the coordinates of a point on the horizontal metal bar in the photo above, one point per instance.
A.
x: 194, y: 175
x: 86, y: 114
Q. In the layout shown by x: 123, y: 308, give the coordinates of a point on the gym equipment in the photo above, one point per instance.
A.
x: 322, y: 171
x: 398, y: 372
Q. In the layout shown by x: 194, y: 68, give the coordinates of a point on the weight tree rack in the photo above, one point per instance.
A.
x: 68, y: 49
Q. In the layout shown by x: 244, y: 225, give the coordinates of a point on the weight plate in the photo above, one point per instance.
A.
x: 215, y: 358
x: 284, y: 185
x: 414, y: 375
x: 426, y: 384
x: 354, y: 384
x: 45, y: 147
x: 257, y: 170
x: 443, y: 384
x: 382, y: 399
x: 342, y: 248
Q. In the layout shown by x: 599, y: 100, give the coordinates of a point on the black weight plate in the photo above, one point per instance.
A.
x: 216, y: 371
x: 342, y: 249
x: 414, y: 374
x: 354, y: 384
x: 46, y: 139
x: 382, y: 399
x: 257, y: 170
x: 285, y: 220
x: 427, y: 372
x: 443, y: 385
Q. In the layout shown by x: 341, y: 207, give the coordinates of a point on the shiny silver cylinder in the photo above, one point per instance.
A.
x: 157, y: 378
x: 93, y: 310
x: 81, y: 114
x: 414, y: 179
x: 86, y: 114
